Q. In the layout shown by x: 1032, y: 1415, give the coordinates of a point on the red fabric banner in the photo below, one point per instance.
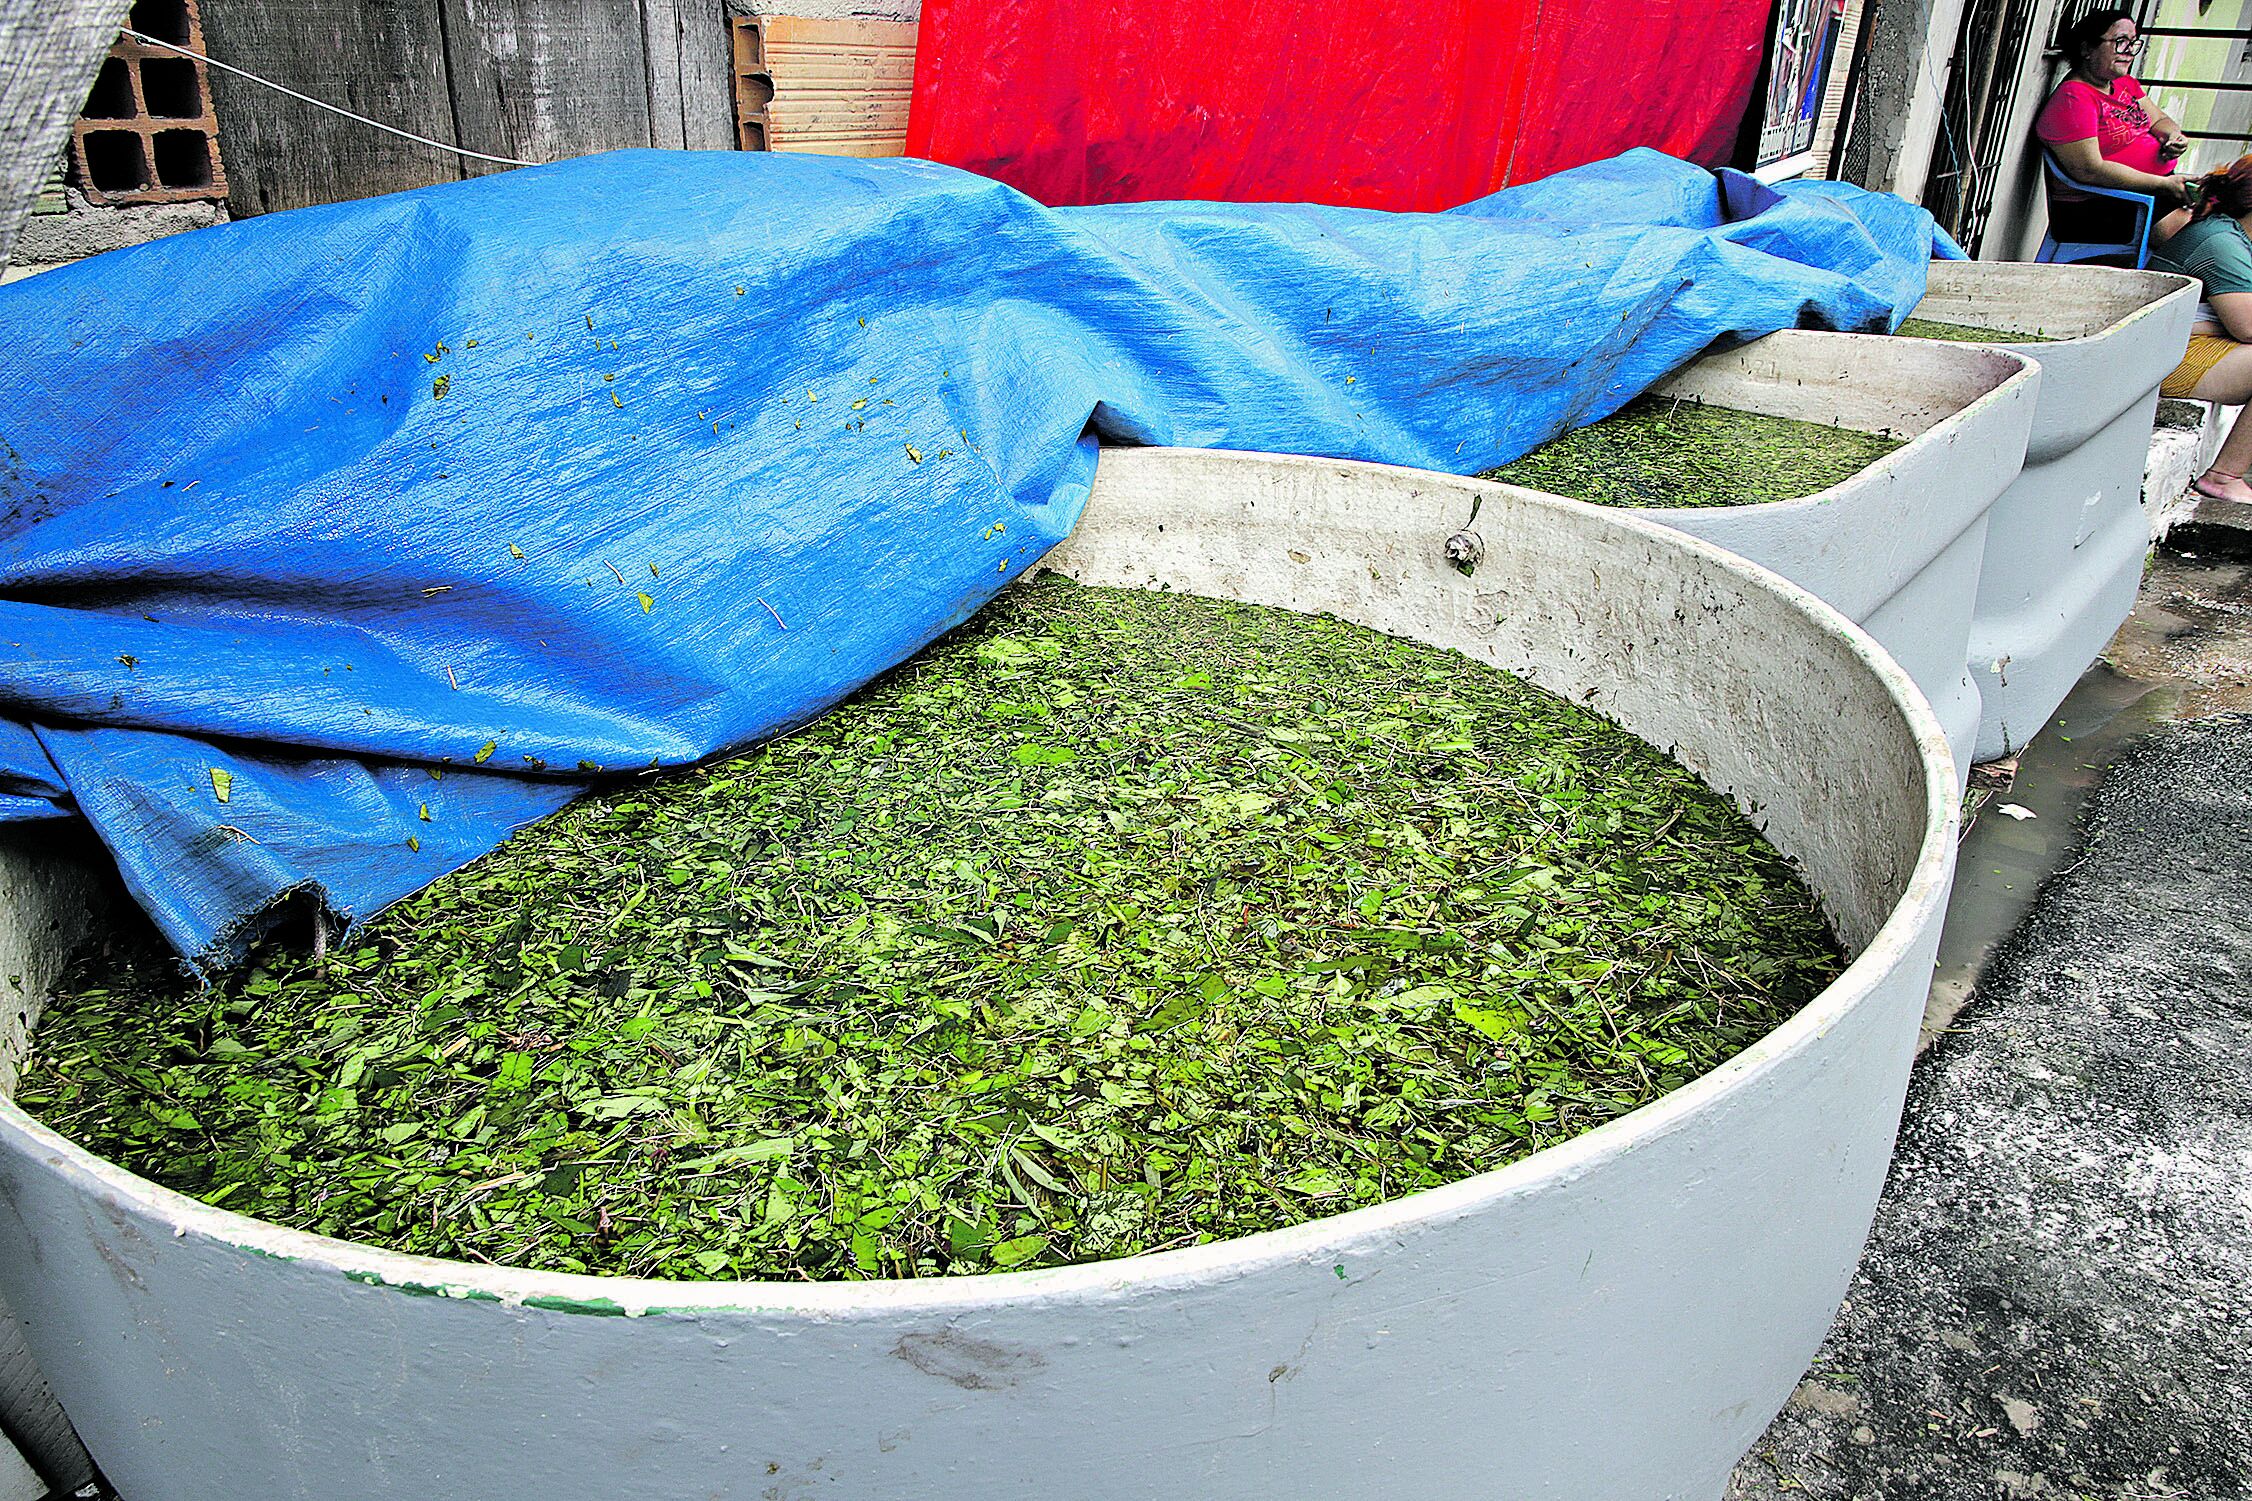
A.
x: 1419, y: 104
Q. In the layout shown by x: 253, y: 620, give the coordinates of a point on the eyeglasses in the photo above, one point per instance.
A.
x: 2124, y: 46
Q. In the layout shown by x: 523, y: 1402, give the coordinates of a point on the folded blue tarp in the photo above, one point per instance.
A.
x: 340, y: 543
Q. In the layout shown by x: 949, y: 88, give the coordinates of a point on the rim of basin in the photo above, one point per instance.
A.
x: 2099, y: 300
x: 1921, y: 894
x: 2006, y: 376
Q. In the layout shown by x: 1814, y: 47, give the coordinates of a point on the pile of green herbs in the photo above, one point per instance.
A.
x: 1672, y: 452
x: 1967, y: 333
x: 1114, y: 921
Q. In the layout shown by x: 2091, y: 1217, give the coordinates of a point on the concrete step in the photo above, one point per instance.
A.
x: 2215, y: 529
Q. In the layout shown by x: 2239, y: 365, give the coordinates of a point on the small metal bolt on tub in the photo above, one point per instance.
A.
x: 1613, y: 1319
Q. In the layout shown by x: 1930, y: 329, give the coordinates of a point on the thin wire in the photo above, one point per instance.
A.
x: 145, y: 38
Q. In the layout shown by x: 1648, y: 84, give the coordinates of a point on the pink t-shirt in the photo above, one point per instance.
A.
x: 2119, y: 121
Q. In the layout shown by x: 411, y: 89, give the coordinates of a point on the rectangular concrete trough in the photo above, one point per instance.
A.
x: 1898, y: 547
x: 2065, y: 543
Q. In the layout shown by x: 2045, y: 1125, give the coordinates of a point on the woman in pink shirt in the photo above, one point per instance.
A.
x: 2105, y: 132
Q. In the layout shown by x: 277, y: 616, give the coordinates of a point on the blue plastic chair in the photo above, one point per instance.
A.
x: 2133, y: 252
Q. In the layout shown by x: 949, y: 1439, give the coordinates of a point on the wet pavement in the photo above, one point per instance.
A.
x: 2186, y: 653
x: 2052, y: 1302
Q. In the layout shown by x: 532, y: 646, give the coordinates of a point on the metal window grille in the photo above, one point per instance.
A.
x: 1974, y: 115
x: 2069, y: 12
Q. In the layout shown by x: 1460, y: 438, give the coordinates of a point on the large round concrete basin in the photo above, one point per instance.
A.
x: 1613, y: 1319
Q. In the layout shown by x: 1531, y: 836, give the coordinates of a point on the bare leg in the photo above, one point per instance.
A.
x: 2230, y: 383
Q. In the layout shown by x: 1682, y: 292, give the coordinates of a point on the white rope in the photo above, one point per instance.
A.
x: 145, y: 38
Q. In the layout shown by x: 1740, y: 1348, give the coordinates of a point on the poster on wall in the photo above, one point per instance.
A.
x: 1799, y: 51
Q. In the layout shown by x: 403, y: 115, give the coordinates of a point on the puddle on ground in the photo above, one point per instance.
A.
x: 2192, y: 628
x: 2185, y: 653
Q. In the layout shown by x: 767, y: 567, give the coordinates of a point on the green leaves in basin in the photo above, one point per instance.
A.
x: 1966, y: 333
x: 1115, y: 921
x: 1676, y: 453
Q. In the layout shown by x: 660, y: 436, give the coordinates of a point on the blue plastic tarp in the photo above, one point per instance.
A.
x: 337, y: 544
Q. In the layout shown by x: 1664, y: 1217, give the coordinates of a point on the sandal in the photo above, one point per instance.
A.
x: 2217, y: 492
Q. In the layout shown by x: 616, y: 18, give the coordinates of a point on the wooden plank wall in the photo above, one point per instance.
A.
x: 533, y: 79
x: 690, y: 75
x: 383, y: 58
x: 542, y: 80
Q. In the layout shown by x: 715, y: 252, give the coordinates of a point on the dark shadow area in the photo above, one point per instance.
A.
x: 115, y: 162
x: 170, y: 89
x: 166, y: 20
x: 112, y: 98
x: 183, y: 159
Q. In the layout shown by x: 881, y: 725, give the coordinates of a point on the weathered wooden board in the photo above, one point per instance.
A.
x: 691, y: 101
x: 382, y: 58
x: 537, y: 80
x: 541, y: 80
x: 707, y: 79
x: 48, y: 57
x: 839, y: 87
x: 660, y: 46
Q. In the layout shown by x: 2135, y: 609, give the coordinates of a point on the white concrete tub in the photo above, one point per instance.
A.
x: 1898, y: 546
x: 1613, y: 1319
x: 2065, y: 544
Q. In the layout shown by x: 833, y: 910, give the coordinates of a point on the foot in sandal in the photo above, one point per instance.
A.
x: 2215, y: 484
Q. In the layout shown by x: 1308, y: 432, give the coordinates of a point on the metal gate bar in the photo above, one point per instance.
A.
x: 1975, y: 111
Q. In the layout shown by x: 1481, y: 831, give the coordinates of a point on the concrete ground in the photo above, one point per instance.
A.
x: 2052, y: 1301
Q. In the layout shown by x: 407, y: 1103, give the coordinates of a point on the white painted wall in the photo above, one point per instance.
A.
x: 1917, y: 130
